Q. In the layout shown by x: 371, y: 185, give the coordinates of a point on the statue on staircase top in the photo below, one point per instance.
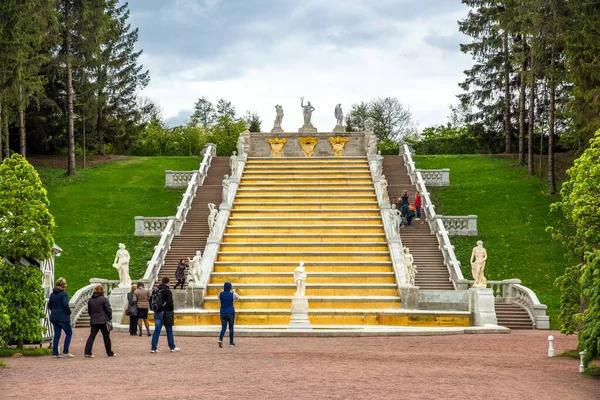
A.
x: 339, y: 119
x: 307, y: 111
x: 278, y: 118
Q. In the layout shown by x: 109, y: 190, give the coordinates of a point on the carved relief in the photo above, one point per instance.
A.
x: 277, y: 147
x: 308, y: 145
x: 337, y: 144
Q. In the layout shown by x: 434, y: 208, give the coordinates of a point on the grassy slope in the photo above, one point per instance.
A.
x: 94, y: 213
x: 513, y: 213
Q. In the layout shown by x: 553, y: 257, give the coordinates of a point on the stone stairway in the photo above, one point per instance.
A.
x: 322, y: 211
x: 513, y: 316
x: 432, y: 273
x: 195, y: 230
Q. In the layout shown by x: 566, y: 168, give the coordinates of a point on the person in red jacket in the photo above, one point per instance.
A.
x: 418, y: 205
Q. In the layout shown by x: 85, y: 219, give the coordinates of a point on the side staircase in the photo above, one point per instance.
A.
x: 432, y: 273
x: 195, y: 230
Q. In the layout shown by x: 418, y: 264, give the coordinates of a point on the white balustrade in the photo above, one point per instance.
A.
x: 460, y: 225
x: 150, y: 226
x: 177, y: 179
x: 436, y: 177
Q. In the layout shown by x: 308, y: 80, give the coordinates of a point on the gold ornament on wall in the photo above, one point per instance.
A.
x: 337, y: 144
x: 308, y: 145
x: 277, y: 147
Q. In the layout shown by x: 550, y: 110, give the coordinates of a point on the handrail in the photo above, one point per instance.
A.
x: 79, y: 301
x: 174, y: 226
x: 435, y: 224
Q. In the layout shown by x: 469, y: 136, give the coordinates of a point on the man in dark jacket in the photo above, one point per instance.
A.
x: 100, y: 313
x: 60, y: 312
x: 165, y: 317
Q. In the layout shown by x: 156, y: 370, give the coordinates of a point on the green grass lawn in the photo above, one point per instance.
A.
x: 94, y: 213
x: 513, y: 213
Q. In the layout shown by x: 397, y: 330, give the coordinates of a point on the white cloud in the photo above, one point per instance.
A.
x: 375, y: 56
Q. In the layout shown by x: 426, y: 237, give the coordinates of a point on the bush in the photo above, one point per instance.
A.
x: 158, y: 140
x: 388, y: 147
x: 35, y: 352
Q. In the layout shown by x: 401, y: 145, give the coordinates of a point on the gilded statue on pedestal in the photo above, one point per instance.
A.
x: 308, y: 145
x: 277, y: 147
x: 337, y: 144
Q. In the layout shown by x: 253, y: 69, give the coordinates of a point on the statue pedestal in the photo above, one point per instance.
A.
x: 277, y: 129
x: 307, y: 129
x: 339, y: 129
x: 482, y: 307
x: 299, y: 313
x: 118, y: 302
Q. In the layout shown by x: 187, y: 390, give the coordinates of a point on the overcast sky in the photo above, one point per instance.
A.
x: 259, y: 53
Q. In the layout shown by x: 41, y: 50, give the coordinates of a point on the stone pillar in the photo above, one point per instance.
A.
x: 139, y: 226
x: 168, y: 178
x: 409, y: 296
x: 118, y: 302
x: 482, y: 307
x: 299, y: 313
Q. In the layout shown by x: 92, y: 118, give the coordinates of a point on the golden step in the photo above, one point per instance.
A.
x: 292, y: 185
x: 314, y: 303
x: 306, y: 181
x: 297, y: 213
x: 315, y: 277
x: 245, y: 290
x: 269, y: 193
x: 307, y: 176
x: 306, y: 238
x: 311, y: 267
x: 370, y: 205
x: 268, y: 247
x: 302, y: 221
x: 306, y: 256
x: 296, y: 229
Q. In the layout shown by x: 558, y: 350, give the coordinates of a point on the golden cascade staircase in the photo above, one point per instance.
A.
x: 323, y: 211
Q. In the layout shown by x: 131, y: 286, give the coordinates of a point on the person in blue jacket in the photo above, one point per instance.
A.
x: 60, y: 317
x: 227, y: 297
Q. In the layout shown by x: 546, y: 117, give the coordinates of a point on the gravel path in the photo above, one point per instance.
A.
x: 513, y: 366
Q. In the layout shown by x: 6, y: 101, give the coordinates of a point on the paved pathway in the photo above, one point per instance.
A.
x: 513, y: 366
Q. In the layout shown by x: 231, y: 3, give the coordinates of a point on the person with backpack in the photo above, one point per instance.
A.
x: 227, y: 297
x: 161, y: 303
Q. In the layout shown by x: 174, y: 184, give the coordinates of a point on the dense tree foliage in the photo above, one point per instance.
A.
x: 391, y: 119
x: 26, y: 233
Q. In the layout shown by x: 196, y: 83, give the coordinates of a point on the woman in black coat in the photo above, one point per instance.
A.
x: 100, y: 313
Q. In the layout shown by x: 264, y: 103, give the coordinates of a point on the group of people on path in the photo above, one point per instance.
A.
x: 139, y: 301
x: 408, y: 211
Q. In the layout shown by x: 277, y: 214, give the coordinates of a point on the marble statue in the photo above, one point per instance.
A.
x: 308, y: 145
x: 478, y: 258
x: 195, y: 273
x: 379, y: 164
x: 226, y: 184
x: 411, y: 268
x: 212, y: 217
x: 337, y: 145
x: 241, y: 143
x: 278, y: 116
x: 339, y: 115
x: 121, y: 264
x: 372, y: 146
x: 383, y: 185
x: 300, y: 279
x: 395, y: 219
x: 277, y: 147
x: 307, y: 111
x: 369, y: 126
x: 233, y: 163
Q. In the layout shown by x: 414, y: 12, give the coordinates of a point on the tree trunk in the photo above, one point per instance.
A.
x: 83, y: 132
x: 71, y: 168
x: 522, y: 109
x: 507, y: 129
x: 100, y: 125
x: 551, y: 180
x: 5, y: 128
x: 531, y: 119
x: 22, y: 138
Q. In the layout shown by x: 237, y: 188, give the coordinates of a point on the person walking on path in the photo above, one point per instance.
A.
x: 142, y: 296
x: 181, y: 273
x: 60, y: 317
x: 132, y: 311
x: 227, y: 297
x: 418, y: 205
x: 100, y: 313
x: 165, y: 316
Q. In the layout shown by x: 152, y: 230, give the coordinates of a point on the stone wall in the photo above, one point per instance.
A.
x: 259, y: 147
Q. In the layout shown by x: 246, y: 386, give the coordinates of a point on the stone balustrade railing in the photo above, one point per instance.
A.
x: 174, y: 225
x: 435, y: 224
x: 151, y: 226
x: 177, y: 179
x: 460, y: 225
x: 511, y: 290
x: 78, y: 302
x: 436, y: 177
